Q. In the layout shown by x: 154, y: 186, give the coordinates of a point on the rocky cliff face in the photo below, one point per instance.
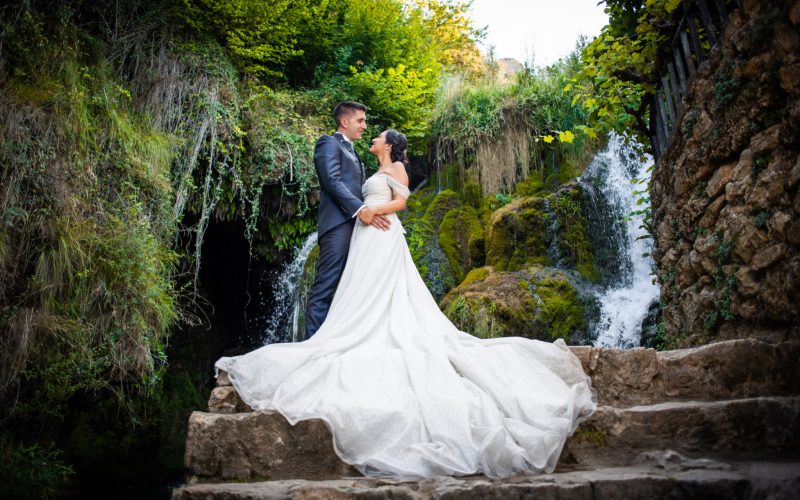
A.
x: 725, y: 194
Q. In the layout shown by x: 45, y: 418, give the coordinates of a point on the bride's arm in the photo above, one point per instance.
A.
x: 398, y: 203
x: 399, y: 176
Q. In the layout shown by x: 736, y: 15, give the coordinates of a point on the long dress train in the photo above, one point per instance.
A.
x: 404, y: 392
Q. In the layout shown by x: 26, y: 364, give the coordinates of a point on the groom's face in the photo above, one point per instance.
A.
x: 354, y: 124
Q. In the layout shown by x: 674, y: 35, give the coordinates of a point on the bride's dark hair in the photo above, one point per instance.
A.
x: 399, y: 145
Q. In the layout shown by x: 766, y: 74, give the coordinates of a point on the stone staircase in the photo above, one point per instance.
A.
x: 719, y: 421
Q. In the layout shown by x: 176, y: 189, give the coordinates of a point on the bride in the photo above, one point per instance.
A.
x: 403, y: 391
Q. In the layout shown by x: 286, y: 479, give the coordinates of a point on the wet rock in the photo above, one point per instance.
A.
x: 750, y: 240
x: 793, y: 234
x: 790, y: 78
x: 794, y: 175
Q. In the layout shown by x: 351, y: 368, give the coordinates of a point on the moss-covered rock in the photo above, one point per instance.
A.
x: 424, y: 215
x: 537, y: 302
x: 542, y: 231
x: 572, y: 235
x: 461, y: 240
x: 515, y: 238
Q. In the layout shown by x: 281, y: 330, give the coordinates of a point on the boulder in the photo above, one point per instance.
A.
x: 259, y: 446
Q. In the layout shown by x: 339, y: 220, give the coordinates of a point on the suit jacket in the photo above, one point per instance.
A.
x: 341, y: 175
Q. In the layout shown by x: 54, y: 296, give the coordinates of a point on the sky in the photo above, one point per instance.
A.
x: 538, y: 31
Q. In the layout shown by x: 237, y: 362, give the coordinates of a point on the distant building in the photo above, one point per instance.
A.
x: 507, y: 67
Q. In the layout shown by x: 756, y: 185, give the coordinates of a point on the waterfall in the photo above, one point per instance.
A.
x: 628, y: 292
x: 282, y: 324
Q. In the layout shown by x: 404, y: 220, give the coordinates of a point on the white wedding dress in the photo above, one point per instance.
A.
x: 404, y: 392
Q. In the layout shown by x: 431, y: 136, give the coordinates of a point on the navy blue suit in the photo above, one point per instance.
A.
x: 341, y: 175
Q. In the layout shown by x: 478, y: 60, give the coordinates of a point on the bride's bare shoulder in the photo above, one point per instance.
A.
x: 398, y: 173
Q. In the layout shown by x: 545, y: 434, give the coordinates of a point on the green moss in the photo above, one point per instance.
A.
x: 476, y: 316
x: 441, y: 204
x: 461, y: 239
x: 515, y: 238
x: 478, y: 274
x: 422, y: 224
x: 573, y: 238
x: 532, y: 303
x: 560, y: 310
x: 532, y: 186
x: 472, y: 195
x: 590, y: 434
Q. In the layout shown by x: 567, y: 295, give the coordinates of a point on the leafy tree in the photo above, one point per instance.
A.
x: 261, y: 35
x: 617, y: 75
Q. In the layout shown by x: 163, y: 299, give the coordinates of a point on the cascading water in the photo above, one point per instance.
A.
x: 608, y: 184
x: 282, y: 322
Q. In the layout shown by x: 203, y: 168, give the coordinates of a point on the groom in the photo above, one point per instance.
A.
x: 341, y: 174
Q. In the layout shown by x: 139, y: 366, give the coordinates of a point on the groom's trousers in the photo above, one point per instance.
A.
x: 333, y: 248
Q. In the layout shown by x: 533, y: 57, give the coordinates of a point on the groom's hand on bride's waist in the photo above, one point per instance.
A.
x: 369, y: 217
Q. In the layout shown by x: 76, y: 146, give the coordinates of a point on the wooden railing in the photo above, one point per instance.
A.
x: 699, y: 29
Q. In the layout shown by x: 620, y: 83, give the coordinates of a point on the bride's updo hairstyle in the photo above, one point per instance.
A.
x: 399, y: 145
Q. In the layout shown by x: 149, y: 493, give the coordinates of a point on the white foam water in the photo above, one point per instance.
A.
x: 625, y: 303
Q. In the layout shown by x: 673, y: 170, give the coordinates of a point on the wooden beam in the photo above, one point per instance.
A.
x: 707, y: 23
x: 676, y: 54
x: 687, y: 51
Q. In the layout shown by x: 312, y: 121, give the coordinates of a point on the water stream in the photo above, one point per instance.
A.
x: 609, y: 200
x: 282, y: 324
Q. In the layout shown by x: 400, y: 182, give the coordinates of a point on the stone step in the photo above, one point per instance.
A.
x: 662, y: 477
x: 746, y: 428
x: 259, y: 446
x: 262, y: 445
x: 724, y: 370
x: 731, y: 369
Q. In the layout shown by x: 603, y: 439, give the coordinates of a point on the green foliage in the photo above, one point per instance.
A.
x: 760, y: 218
x: 398, y: 96
x: 260, y: 35
x: 726, y: 87
x: 32, y: 471
x: 617, y: 71
x: 493, y: 129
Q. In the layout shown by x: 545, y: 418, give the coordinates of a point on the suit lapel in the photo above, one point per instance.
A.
x: 349, y: 146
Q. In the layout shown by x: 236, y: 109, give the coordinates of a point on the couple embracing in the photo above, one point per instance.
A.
x: 404, y: 392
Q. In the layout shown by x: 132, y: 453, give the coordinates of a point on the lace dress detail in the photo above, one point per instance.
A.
x: 403, y: 391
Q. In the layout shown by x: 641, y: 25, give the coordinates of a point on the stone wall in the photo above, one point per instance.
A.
x: 725, y: 193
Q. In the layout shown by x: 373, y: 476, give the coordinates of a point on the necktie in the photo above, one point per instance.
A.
x: 349, y: 146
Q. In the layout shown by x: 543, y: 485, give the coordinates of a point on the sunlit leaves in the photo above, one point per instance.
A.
x: 618, y: 65
x: 566, y: 136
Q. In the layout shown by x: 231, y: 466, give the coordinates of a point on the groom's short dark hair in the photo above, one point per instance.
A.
x: 346, y: 108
